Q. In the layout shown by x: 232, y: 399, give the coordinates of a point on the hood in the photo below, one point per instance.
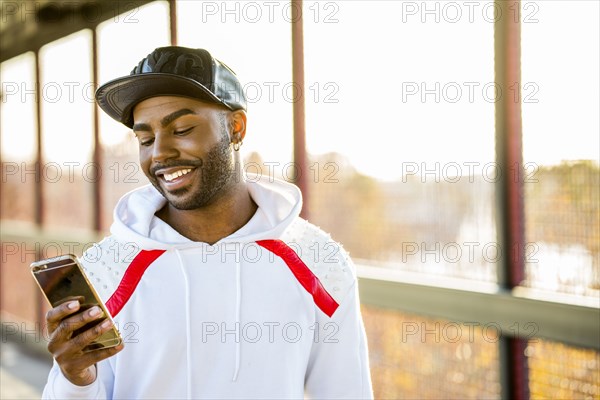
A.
x: 279, y: 203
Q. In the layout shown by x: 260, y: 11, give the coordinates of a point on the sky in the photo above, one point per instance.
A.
x: 389, y: 83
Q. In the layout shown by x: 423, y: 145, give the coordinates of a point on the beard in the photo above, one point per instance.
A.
x: 214, y: 174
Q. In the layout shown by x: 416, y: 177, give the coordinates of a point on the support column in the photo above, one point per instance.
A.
x: 300, y: 156
x: 173, y: 21
x: 97, y: 206
x: 510, y: 221
x: 39, y: 182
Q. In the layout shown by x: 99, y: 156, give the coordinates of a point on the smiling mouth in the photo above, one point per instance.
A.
x: 172, y: 176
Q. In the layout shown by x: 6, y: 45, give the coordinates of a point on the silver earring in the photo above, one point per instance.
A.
x: 237, y: 145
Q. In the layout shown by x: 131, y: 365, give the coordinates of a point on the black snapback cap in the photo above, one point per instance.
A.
x: 172, y: 71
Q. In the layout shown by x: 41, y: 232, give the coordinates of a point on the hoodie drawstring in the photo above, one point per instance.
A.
x: 238, y: 310
x: 238, y: 317
x: 188, y: 333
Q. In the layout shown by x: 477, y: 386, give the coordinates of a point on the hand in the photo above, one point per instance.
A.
x: 77, y: 366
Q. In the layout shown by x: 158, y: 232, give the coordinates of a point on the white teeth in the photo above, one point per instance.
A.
x: 176, y: 174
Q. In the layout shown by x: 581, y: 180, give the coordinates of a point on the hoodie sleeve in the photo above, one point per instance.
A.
x: 338, y: 366
x: 59, y: 387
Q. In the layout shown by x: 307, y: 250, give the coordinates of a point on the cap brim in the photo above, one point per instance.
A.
x: 118, y: 97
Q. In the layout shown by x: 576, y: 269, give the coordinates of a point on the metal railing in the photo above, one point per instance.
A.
x: 561, y: 317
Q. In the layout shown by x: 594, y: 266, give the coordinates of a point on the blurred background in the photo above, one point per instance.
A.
x: 452, y: 147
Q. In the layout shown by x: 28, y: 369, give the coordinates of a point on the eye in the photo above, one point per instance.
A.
x: 146, y: 142
x: 182, y: 131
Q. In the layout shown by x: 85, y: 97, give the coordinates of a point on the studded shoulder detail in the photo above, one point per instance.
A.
x: 105, y: 264
x: 326, y: 258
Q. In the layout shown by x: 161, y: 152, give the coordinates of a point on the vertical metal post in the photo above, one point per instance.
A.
x: 2, y: 290
x: 39, y: 182
x: 509, y: 191
x: 97, y: 209
x: 509, y: 148
x: 173, y: 21
x: 39, y: 189
x: 300, y: 156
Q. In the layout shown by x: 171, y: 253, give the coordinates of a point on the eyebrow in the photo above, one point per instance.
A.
x: 165, y: 121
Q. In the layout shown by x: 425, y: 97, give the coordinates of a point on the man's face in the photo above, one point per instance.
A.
x: 184, y: 149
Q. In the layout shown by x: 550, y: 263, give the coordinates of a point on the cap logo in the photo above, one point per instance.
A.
x: 188, y: 65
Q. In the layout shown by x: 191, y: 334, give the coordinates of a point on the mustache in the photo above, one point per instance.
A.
x: 176, y: 163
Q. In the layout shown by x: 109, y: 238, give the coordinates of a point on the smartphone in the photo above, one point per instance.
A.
x: 62, y: 279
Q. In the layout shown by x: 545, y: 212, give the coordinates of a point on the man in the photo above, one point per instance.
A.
x: 219, y: 289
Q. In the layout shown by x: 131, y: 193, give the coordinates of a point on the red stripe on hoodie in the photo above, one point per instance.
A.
x: 303, y: 274
x: 130, y: 280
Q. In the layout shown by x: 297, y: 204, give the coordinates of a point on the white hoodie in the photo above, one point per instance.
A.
x: 270, y: 311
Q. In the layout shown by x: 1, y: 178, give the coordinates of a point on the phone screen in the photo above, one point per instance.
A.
x: 62, y: 279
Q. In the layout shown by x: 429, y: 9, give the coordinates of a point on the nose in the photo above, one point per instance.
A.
x: 163, y: 148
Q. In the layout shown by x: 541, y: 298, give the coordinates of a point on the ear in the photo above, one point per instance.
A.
x: 238, y: 122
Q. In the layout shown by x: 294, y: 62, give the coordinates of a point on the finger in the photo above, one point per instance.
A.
x: 73, y: 367
x: 64, y: 330
x: 80, y: 299
x: 84, y: 339
x: 55, y: 315
x: 96, y: 356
